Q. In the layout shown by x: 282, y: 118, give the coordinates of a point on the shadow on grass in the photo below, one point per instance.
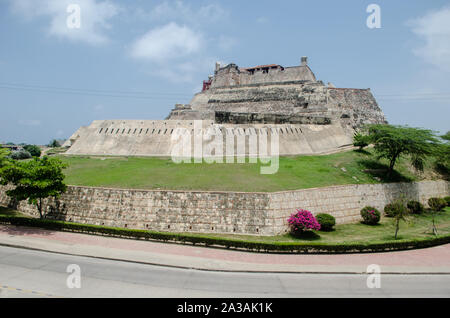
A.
x: 305, y: 236
x: 362, y: 151
x: 379, y: 171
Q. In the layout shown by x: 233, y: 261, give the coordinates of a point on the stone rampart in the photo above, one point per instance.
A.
x: 222, y: 212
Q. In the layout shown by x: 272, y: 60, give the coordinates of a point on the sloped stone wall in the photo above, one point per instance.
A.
x: 222, y: 212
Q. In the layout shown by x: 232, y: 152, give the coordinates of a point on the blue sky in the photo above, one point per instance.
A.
x: 135, y: 60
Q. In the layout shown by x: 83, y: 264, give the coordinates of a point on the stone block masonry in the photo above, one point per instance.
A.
x: 222, y: 212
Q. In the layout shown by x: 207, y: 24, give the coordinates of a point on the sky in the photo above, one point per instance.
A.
x: 137, y: 59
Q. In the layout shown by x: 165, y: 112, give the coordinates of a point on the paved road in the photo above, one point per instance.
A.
x: 27, y: 273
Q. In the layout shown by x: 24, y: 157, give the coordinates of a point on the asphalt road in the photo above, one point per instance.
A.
x: 27, y: 273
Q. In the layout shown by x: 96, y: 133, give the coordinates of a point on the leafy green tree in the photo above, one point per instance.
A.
x: 446, y: 136
x: 442, y: 155
x: 392, y: 142
x: 35, y: 180
x: 361, y: 141
x: 54, y: 144
x: 34, y: 150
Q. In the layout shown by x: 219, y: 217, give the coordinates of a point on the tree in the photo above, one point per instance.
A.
x: 392, y: 142
x: 35, y: 180
x: 446, y: 136
x: 54, y: 144
x: 361, y: 141
x: 34, y: 150
x: 400, y: 212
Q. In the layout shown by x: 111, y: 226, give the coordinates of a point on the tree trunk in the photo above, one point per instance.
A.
x: 396, y: 228
x: 39, y: 206
x: 391, y: 166
x: 434, y: 227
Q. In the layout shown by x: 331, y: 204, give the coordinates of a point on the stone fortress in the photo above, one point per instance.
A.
x: 307, y: 116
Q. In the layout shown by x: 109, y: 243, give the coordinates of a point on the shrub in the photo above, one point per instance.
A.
x: 370, y: 215
x: 34, y: 150
x: 326, y: 221
x: 302, y: 221
x: 447, y: 199
x: 415, y: 207
x: 20, y: 155
x: 437, y: 204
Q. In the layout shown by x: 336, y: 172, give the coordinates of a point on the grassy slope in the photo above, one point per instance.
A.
x: 294, y: 173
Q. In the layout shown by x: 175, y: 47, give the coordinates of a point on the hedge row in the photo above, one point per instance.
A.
x: 277, y: 247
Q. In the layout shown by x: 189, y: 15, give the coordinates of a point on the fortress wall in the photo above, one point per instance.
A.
x: 158, y: 138
x: 272, y: 98
x: 346, y: 202
x: 231, y: 76
x: 359, y: 104
x: 222, y: 212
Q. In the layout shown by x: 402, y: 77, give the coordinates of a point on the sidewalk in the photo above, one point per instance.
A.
x: 431, y: 260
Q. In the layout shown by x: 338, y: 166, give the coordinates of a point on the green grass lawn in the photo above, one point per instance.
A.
x: 351, y: 167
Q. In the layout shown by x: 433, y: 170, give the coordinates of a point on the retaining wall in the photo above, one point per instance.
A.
x: 222, y: 212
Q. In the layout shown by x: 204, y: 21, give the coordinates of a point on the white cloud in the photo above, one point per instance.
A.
x: 187, y: 71
x: 178, y: 10
x: 94, y: 16
x: 29, y: 122
x: 434, y: 29
x: 168, y: 42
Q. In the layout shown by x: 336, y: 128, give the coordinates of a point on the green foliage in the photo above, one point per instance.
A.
x: 447, y: 200
x: 392, y: 142
x: 34, y: 180
x: 442, y: 157
x: 415, y: 207
x: 20, y: 155
x: 54, y: 144
x: 446, y: 136
x: 34, y: 150
x: 4, y: 153
x: 370, y: 215
x: 326, y: 221
x: 392, y: 209
x: 437, y: 204
x: 361, y: 141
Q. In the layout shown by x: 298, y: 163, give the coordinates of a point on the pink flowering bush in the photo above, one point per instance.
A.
x: 370, y: 215
x: 302, y: 221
